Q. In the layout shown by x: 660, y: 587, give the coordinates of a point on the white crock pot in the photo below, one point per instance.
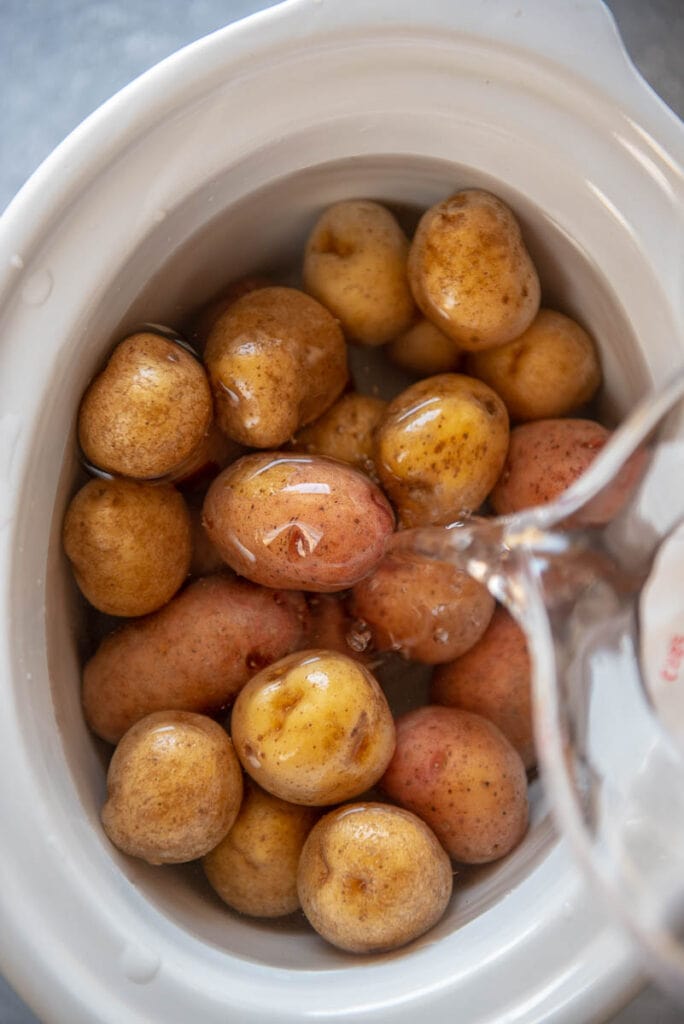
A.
x: 213, y: 164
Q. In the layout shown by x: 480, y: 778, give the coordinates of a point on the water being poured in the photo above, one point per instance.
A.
x: 596, y: 579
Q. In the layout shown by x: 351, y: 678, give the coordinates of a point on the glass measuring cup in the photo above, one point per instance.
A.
x: 596, y: 579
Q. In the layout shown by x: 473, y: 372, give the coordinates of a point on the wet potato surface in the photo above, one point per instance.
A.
x: 296, y: 521
x: 267, y: 611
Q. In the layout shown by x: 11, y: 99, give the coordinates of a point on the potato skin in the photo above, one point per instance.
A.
x: 276, y: 361
x: 372, y: 877
x: 215, y: 452
x: 470, y: 272
x: 355, y: 264
x: 546, y: 457
x: 174, y: 788
x: 440, y: 448
x: 551, y: 369
x: 314, y: 729
x: 205, y: 558
x: 332, y: 628
x: 254, y: 868
x: 297, y: 521
x: 129, y: 544
x: 428, y: 611
x: 147, y: 411
x: 203, y: 319
x: 493, y: 679
x: 192, y: 655
x: 345, y: 432
x: 424, y: 350
x: 459, y: 773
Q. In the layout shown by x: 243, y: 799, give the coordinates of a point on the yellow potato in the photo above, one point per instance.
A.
x: 470, y: 272
x: 129, y: 544
x: 148, y: 411
x: 551, y: 369
x: 373, y: 877
x: 276, y: 360
x: 346, y: 431
x: 315, y: 728
x: 297, y: 521
x: 459, y: 773
x: 355, y: 264
x: 424, y: 350
x: 204, y: 318
x: 174, y: 788
x: 440, y: 448
x: 254, y: 869
x: 428, y: 611
x: 492, y: 679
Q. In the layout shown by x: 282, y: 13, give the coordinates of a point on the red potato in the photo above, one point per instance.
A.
x: 492, y: 679
x: 332, y: 628
x: 459, y: 773
x: 428, y: 611
x: 297, y: 521
x: 547, y: 456
x: 195, y: 654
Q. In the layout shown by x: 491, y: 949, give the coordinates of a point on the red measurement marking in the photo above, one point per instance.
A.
x: 673, y: 659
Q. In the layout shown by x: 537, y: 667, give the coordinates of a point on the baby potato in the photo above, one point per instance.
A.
x: 331, y: 628
x: 205, y: 558
x: 345, y: 431
x: 547, y: 456
x: 424, y: 350
x: 551, y: 369
x: 355, y: 264
x: 276, y: 360
x: 459, y: 773
x: 203, y: 320
x: 373, y: 877
x: 174, y: 788
x: 428, y: 611
x: 145, y: 414
x: 297, y: 521
x: 254, y: 869
x: 192, y: 655
x: 440, y: 448
x: 129, y: 544
x: 470, y: 272
x: 492, y: 679
x: 314, y: 729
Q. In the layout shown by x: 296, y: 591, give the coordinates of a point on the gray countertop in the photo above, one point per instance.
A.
x: 59, y: 59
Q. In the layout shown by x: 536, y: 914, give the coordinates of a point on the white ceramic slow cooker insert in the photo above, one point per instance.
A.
x: 212, y: 165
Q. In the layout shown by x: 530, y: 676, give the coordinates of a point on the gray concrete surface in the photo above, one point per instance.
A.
x: 59, y: 59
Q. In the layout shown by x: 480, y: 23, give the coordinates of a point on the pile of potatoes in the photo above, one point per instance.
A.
x: 240, y: 517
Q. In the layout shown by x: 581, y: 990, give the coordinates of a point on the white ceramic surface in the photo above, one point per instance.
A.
x: 215, y: 163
